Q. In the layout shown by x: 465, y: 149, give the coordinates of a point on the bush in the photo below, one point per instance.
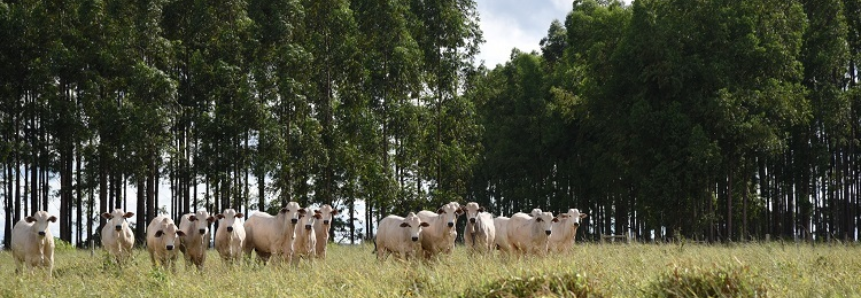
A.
x: 566, y: 285
x: 60, y: 245
x: 719, y: 282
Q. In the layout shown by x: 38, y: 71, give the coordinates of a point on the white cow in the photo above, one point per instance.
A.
x: 529, y: 234
x: 500, y: 223
x: 230, y: 235
x: 399, y: 235
x: 305, y: 244
x: 440, y: 235
x: 565, y: 230
x: 162, y: 237
x: 196, y: 240
x: 32, y: 243
x: 268, y: 235
x: 117, y: 236
x: 479, y: 233
x: 321, y: 228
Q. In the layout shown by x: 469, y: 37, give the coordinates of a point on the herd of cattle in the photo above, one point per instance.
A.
x: 296, y: 232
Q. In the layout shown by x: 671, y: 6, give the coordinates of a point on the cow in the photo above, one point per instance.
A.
x: 439, y: 236
x: 321, y: 228
x: 305, y: 244
x: 399, y: 235
x: 162, y: 237
x: 117, y: 236
x: 230, y: 235
x: 196, y: 240
x: 479, y: 233
x: 565, y: 230
x: 273, y: 235
x: 33, y: 244
x: 529, y: 233
x: 500, y: 223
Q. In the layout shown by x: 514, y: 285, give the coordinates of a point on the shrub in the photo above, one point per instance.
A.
x: 719, y: 282
x: 60, y: 245
x: 566, y: 285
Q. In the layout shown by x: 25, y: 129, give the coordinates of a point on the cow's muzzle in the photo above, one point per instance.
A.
x: 415, y: 238
x: 169, y: 247
x: 450, y: 224
x: 41, y: 233
x: 576, y: 225
x: 202, y: 231
x: 325, y: 222
x: 229, y: 229
x: 547, y: 232
x: 308, y: 227
x: 294, y: 221
x: 472, y: 220
x: 118, y: 227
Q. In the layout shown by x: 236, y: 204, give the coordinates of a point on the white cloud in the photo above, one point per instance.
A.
x: 502, y: 35
x: 509, y: 24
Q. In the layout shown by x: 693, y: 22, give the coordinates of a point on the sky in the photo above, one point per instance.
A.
x: 509, y: 24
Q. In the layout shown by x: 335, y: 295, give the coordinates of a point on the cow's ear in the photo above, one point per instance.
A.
x: 52, y: 219
x: 284, y: 210
x: 107, y: 215
x: 555, y: 219
x: 460, y: 211
x: 159, y: 233
x: 335, y: 212
x: 538, y: 219
x: 584, y: 215
x: 210, y: 219
x: 480, y: 209
x: 192, y: 218
x: 318, y: 215
x: 317, y: 212
x: 301, y: 211
x: 30, y: 219
x: 404, y: 225
x: 424, y: 224
x: 440, y: 211
x: 180, y: 233
x: 220, y: 216
x: 564, y: 215
x: 128, y: 215
x: 239, y: 215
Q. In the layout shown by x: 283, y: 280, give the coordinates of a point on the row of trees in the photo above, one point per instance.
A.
x: 315, y: 101
x: 718, y: 119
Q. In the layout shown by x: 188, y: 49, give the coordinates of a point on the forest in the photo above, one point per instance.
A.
x: 714, y: 120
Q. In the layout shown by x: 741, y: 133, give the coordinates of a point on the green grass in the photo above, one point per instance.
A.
x: 743, y: 270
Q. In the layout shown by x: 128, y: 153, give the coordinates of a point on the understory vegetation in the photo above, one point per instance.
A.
x: 590, y: 270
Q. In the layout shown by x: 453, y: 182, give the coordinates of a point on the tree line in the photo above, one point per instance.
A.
x: 715, y: 120
x: 709, y: 119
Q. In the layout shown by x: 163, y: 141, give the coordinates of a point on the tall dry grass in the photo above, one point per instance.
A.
x: 636, y: 270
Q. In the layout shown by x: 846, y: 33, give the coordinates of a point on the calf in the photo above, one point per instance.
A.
x: 479, y: 233
x: 268, y: 235
x: 305, y: 244
x: 439, y: 236
x: 230, y: 236
x: 528, y: 234
x: 162, y: 236
x: 196, y: 240
x: 117, y: 236
x: 565, y: 230
x: 399, y: 235
x: 321, y: 228
x: 32, y: 243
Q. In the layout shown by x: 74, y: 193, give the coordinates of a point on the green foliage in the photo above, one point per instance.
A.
x: 565, y: 285
x: 716, y: 282
x: 63, y: 246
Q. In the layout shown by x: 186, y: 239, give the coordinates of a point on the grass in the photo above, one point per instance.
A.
x: 594, y: 270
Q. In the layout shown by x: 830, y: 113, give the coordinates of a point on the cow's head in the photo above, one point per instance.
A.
x: 471, y: 210
x: 40, y: 221
x: 201, y: 221
x: 545, y: 220
x: 327, y: 214
x: 117, y: 219
x: 306, y: 221
x: 228, y: 217
x: 169, y: 233
x: 415, y: 225
x: 292, y: 212
x: 573, y: 217
x: 449, y: 213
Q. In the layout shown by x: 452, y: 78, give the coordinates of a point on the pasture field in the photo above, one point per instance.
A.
x: 635, y: 270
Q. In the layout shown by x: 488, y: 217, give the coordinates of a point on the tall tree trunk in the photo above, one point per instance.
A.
x: 142, y: 215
